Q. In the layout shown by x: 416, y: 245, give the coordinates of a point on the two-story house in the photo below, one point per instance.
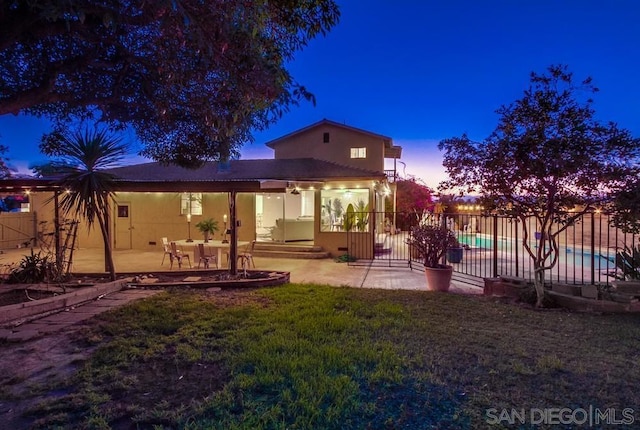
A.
x: 320, y: 179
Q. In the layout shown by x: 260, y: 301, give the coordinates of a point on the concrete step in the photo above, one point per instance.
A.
x: 288, y: 247
x: 290, y: 254
x: 288, y: 250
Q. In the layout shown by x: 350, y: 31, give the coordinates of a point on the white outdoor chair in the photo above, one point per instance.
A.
x: 246, y: 257
x: 206, y: 258
x: 178, y: 255
x: 167, y: 249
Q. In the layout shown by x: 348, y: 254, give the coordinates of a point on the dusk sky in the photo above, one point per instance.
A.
x: 421, y: 71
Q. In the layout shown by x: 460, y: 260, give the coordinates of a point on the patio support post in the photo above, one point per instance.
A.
x: 56, y: 229
x: 233, y: 248
x: 107, y: 243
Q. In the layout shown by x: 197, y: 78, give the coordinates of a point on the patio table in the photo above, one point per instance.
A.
x: 217, y: 245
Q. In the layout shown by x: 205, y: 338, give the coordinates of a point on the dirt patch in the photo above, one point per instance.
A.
x: 23, y: 295
x: 215, y: 276
x: 27, y: 369
x: 41, y: 370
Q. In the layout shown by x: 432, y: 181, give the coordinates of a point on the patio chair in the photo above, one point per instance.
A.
x: 167, y: 249
x: 207, y: 258
x: 245, y: 258
x: 178, y: 255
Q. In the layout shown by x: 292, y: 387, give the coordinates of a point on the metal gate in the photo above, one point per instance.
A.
x: 382, y: 241
x: 493, y: 246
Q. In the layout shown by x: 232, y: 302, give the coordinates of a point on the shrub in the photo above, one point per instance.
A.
x: 32, y: 269
x: 628, y: 263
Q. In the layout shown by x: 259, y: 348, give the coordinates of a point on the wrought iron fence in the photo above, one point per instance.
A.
x: 493, y: 246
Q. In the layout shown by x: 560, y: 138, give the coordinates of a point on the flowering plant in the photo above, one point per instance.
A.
x: 431, y: 243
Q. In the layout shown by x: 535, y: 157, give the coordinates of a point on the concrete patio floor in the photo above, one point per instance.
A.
x: 320, y: 271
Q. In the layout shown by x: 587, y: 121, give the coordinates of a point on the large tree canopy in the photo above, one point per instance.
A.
x: 548, y: 158
x: 192, y: 78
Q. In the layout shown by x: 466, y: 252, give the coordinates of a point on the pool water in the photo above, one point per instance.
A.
x: 576, y: 257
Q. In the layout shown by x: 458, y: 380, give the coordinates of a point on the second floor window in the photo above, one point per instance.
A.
x: 358, y: 152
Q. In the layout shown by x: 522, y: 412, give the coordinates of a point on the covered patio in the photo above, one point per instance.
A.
x: 322, y: 271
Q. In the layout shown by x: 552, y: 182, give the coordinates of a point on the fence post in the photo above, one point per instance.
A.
x: 372, y: 230
x: 515, y: 247
x: 593, y: 248
x: 495, y: 246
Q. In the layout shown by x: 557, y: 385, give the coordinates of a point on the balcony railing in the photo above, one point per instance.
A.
x: 392, y: 175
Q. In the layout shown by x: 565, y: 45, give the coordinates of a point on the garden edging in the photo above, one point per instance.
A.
x: 21, y: 311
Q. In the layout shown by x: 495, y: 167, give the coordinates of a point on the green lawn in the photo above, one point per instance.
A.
x: 314, y: 357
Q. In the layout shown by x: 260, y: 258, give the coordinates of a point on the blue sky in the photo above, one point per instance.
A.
x: 421, y: 71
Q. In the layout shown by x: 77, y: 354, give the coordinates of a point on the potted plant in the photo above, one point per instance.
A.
x: 356, y: 217
x: 455, y: 253
x: 208, y: 227
x: 430, y: 242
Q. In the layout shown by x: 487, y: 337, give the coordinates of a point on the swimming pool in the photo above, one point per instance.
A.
x: 568, y: 255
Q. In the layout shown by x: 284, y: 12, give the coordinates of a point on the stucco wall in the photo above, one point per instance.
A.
x: 156, y: 215
x: 310, y: 144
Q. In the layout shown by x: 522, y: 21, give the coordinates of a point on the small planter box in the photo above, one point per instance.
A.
x: 583, y: 304
x: 505, y: 287
x: 515, y: 290
x: 571, y: 290
x: 627, y: 287
x: 622, y: 297
x: 589, y: 291
x: 493, y: 287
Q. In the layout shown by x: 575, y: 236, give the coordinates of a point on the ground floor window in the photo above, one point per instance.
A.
x: 191, y: 203
x: 285, y: 217
x: 344, y: 209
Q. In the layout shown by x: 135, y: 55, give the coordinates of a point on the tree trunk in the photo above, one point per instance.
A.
x: 538, y: 282
x: 108, y: 251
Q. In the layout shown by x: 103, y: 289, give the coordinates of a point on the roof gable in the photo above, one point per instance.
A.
x: 387, y: 140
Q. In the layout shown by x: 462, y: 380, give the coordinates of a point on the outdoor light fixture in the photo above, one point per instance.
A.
x: 189, y: 227
x: 295, y: 192
x: 224, y: 220
x: 470, y: 208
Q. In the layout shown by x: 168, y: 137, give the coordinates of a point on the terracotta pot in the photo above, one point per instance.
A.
x: 438, y: 279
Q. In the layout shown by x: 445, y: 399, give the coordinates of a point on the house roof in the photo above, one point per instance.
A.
x: 239, y: 175
x: 299, y: 169
x: 387, y: 140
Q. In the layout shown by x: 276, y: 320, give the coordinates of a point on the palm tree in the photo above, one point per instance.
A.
x: 80, y: 160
